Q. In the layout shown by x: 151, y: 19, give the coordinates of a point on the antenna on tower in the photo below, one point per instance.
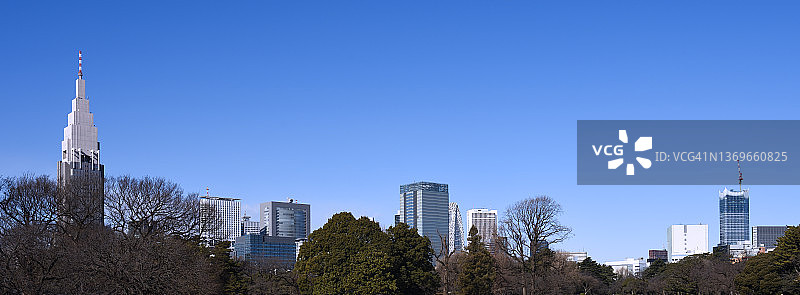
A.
x: 207, y: 194
x: 80, y: 64
x: 740, y: 175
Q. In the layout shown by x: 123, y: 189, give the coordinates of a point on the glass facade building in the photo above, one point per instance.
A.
x: 255, y: 247
x: 734, y: 216
x: 286, y: 219
x: 767, y: 236
x: 425, y: 206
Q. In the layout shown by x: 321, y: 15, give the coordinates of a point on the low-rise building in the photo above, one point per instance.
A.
x: 575, y: 256
x: 655, y: 254
x: 767, y: 236
x: 269, y: 249
x: 629, y: 266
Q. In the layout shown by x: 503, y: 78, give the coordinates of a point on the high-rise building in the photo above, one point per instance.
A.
x: 249, y: 226
x: 425, y: 206
x: 220, y: 219
x: 485, y: 221
x: 286, y: 219
x: 686, y: 239
x: 80, y: 160
x: 455, y: 239
x: 767, y: 236
x: 734, y: 216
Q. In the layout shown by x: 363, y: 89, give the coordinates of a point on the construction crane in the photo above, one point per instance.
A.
x: 740, y: 175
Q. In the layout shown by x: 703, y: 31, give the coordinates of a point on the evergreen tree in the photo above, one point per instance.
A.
x: 775, y: 272
x: 411, y: 255
x: 603, y: 273
x: 656, y: 267
x: 478, y: 268
x: 346, y: 256
x: 353, y: 256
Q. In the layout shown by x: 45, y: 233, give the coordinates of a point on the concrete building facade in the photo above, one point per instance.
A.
x: 221, y: 219
x: 250, y: 226
x: 456, y: 238
x: 685, y: 240
x: 485, y: 221
x: 80, y: 160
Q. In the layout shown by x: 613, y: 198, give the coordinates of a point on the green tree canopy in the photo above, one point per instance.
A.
x: 656, y: 267
x: 410, y: 255
x: 478, y: 267
x: 603, y: 273
x: 775, y: 272
x: 353, y: 256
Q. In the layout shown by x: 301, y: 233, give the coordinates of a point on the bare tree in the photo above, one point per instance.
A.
x: 28, y: 256
x: 79, y: 203
x: 529, y: 226
x: 446, y: 264
x: 52, y: 243
x: 270, y: 276
x: 149, y: 207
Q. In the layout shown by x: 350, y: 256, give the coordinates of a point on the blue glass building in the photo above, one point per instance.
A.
x: 259, y: 247
x: 734, y: 216
x: 426, y: 207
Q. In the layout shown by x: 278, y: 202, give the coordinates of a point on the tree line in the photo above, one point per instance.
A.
x: 150, y: 243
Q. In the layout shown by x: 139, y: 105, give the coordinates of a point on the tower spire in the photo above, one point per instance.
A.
x: 80, y: 84
x: 80, y: 65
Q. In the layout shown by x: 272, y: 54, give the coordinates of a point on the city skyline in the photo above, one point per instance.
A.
x: 80, y: 103
x: 267, y: 121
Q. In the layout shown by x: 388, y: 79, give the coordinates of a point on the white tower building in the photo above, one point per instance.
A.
x: 485, y: 221
x: 80, y: 159
x: 686, y: 239
x: 221, y: 219
x: 455, y: 240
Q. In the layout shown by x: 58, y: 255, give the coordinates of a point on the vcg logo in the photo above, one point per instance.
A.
x: 642, y: 144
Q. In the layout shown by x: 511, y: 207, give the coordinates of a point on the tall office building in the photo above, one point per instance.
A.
x: 286, y: 219
x: 221, y: 219
x: 767, y: 236
x: 250, y: 226
x: 80, y: 160
x: 734, y: 216
x: 425, y: 206
x: 485, y: 221
x: 455, y: 239
x: 685, y: 240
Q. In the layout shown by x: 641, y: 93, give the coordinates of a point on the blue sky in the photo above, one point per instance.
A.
x: 337, y: 103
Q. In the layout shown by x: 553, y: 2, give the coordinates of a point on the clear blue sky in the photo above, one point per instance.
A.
x: 337, y: 103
